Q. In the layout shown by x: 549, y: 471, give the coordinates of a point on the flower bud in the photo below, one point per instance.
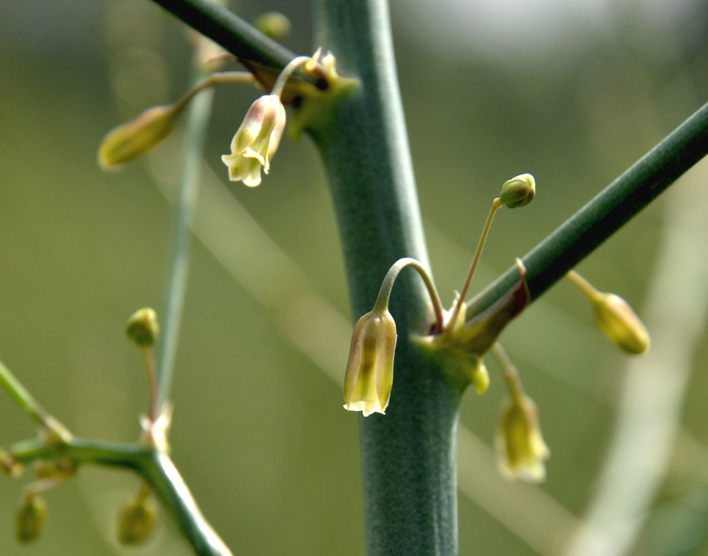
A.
x: 9, y: 465
x: 620, y: 323
x: 136, y: 137
x: 142, y: 327
x: 520, y: 448
x: 256, y: 140
x: 30, y: 518
x: 273, y: 24
x: 137, y: 520
x: 480, y: 378
x: 369, y: 375
x: 518, y: 191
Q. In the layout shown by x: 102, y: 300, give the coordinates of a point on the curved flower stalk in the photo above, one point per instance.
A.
x: 369, y: 375
x: 140, y: 135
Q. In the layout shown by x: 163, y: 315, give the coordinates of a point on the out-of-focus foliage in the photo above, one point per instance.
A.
x: 259, y: 433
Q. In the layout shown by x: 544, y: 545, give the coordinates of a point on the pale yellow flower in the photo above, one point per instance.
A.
x: 520, y: 448
x: 369, y: 375
x: 256, y: 140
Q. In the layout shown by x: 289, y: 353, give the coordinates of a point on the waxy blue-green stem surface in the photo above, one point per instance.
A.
x: 409, y: 453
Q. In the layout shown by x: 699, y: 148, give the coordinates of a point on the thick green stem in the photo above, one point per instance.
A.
x: 408, y: 454
x: 549, y: 261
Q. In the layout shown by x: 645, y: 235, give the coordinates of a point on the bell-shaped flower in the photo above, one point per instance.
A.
x: 256, y: 140
x: 369, y: 375
x: 137, y: 520
x: 520, y: 448
x: 620, y: 323
x: 30, y: 518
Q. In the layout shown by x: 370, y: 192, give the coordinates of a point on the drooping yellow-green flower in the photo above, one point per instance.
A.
x: 30, y: 518
x: 256, y: 140
x: 369, y: 375
x: 520, y: 448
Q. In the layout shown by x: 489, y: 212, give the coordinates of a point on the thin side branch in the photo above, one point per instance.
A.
x: 588, y: 228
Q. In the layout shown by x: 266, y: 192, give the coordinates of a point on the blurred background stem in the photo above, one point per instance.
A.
x: 197, y: 123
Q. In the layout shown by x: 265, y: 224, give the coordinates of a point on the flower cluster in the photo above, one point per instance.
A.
x: 458, y: 342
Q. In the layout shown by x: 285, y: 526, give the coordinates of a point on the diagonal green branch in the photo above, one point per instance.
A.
x: 154, y: 466
x: 230, y: 31
x: 583, y: 232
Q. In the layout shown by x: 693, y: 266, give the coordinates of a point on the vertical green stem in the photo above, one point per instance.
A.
x: 408, y: 454
x: 198, y: 118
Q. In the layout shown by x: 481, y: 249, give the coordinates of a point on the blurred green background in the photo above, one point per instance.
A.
x: 571, y: 92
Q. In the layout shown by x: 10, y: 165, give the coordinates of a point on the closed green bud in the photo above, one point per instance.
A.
x: 143, y: 327
x: 615, y: 317
x: 518, y: 191
x: 137, y: 520
x: 135, y: 138
x: 273, y: 24
x: 620, y: 323
x: 30, y: 518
